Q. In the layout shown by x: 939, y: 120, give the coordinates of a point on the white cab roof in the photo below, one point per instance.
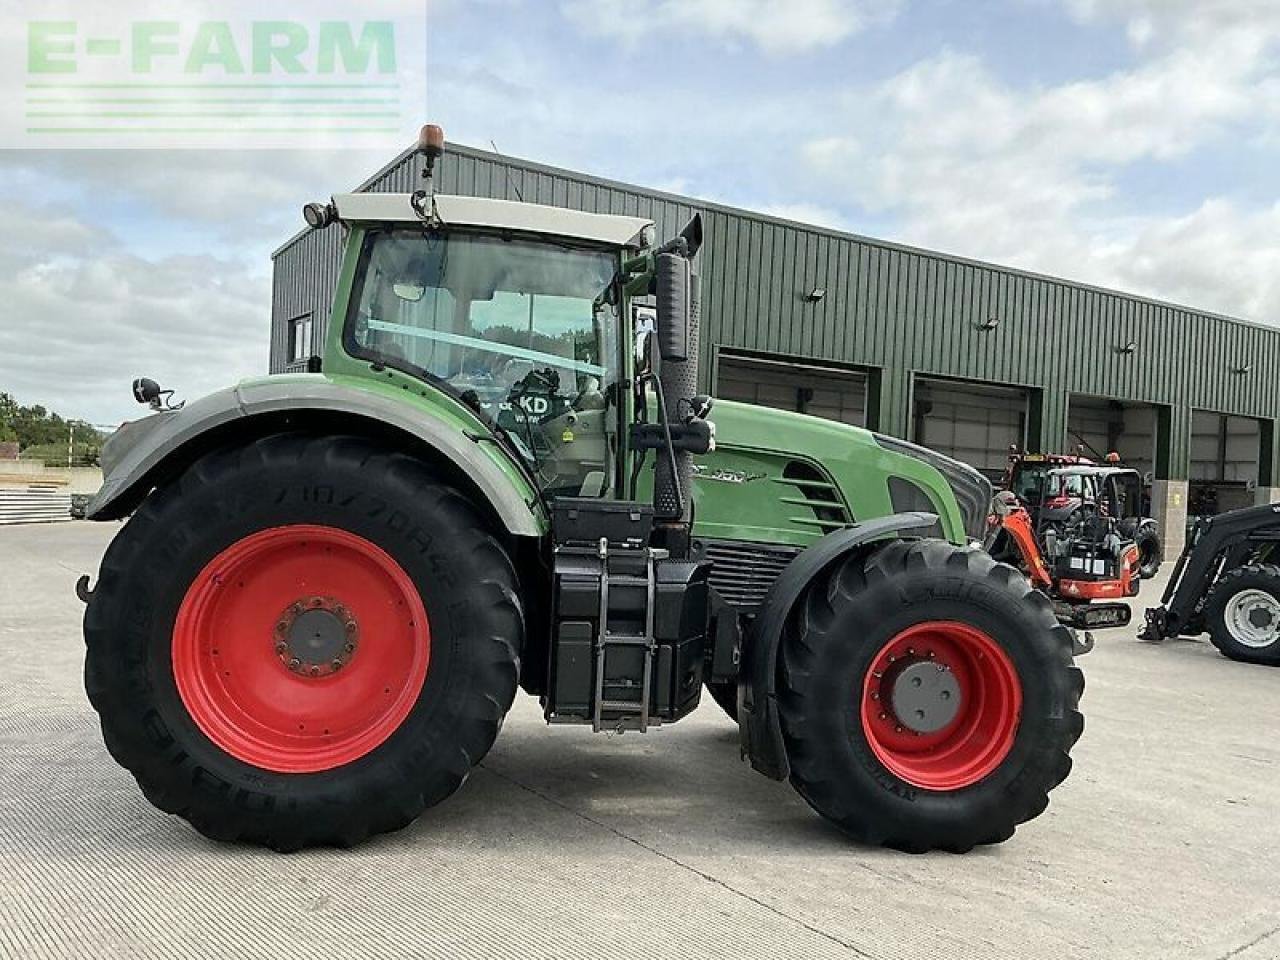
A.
x: 501, y: 214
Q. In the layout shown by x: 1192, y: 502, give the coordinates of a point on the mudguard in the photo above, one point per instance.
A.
x: 759, y: 727
x: 138, y: 451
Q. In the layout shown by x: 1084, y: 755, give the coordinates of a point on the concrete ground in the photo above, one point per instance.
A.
x: 1163, y: 842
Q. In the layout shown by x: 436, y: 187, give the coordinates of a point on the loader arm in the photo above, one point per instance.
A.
x: 1217, y: 544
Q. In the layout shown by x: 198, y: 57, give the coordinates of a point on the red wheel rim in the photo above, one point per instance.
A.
x: 264, y: 689
x: 984, y: 683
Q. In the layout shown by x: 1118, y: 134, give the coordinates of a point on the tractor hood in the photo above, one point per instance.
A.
x: 871, y: 475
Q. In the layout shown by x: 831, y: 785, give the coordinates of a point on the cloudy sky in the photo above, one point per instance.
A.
x: 1133, y: 144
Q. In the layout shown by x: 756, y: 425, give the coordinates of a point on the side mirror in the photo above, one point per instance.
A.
x: 673, y: 282
x: 644, y: 325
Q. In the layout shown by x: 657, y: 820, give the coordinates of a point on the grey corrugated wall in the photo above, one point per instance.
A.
x: 899, y: 311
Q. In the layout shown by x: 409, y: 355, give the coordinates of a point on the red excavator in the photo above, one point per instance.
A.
x: 1081, y: 564
x: 1054, y: 498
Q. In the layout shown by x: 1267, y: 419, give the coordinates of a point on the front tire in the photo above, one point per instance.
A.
x: 1242, y: 614
x: 928, y: 697
x: 303, y: 641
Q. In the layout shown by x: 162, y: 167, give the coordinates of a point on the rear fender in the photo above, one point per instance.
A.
x: 144, y: 452
x: 760, y: 728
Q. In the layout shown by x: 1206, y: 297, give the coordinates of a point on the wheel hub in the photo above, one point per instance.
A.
x: 925, y: 696
x: 316, y: 637
x: 1260, y: 617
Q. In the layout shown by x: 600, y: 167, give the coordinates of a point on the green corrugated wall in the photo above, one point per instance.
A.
x: 896, y: 310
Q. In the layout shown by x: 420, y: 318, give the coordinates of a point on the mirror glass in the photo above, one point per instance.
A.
x: 644, y: 323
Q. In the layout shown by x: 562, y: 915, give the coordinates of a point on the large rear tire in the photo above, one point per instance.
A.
x: 303, y: 641
x: 928, y: 697
x: 1242, y: 614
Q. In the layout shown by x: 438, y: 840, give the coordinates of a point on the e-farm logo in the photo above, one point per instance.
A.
x: 252, y: 80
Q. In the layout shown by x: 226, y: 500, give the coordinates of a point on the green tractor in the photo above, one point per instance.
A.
x: 500, y: 474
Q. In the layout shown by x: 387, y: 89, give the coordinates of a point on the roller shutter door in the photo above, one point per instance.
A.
x: 800, y: 387
x: 973, y: 422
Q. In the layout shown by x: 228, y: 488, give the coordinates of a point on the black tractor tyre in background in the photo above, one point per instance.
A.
x: 998, y: 663
x: 361, y: 537
x: 1242, y: 614
x: 1150, y: 550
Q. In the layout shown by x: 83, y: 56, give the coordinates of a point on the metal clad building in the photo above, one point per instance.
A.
x: 964, y: 356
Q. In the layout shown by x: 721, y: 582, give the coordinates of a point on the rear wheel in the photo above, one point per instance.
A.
x: 928, y: 697
x: 1242, y: 614
x: 303, y: 641
x: 1150, y: 551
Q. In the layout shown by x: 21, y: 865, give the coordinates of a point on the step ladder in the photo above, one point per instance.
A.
x: 609, y: 709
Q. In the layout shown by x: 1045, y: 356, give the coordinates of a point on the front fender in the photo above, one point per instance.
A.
x: 137, y: 454
x: 759, y: 727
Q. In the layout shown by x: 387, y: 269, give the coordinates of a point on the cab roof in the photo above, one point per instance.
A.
x: 497, y: 214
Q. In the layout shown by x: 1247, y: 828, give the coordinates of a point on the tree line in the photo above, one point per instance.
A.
x: 43, y: 435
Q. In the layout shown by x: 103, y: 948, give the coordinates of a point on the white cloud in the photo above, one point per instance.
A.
x: 1148, y: 21
x: 811, y: 213
x: 969, y: 163
x: 777, y: 28
x: 83, y: 316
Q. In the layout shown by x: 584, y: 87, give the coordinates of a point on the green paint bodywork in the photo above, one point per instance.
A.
x: 739, y: 492
x: 761, y: 441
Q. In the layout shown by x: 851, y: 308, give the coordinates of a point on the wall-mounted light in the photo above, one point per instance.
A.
x: 816, y: 294
x: 1242, y: 367
x: 1127, y: 348
x: 990, y: 323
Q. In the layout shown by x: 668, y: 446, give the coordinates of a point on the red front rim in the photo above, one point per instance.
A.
x: 988, y: 705
x: 300, y: 648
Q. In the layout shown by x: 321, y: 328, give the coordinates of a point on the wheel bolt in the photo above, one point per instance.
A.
x: 875, y: 696
x: 884, y: 716
x: 337, y: 664
x: 295, y: 663
x: 282, y: 647
x: 315, y: 671
x: 897, y: 728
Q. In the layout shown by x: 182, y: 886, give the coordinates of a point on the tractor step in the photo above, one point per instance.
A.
x: 607, y: 640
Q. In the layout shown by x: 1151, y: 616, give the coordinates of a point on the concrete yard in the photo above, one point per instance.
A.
x: 1163, y: 843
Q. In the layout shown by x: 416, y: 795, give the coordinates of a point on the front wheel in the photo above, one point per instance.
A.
x: 928, y: 697
x: 302, y: 641
x: 1242, y: 614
